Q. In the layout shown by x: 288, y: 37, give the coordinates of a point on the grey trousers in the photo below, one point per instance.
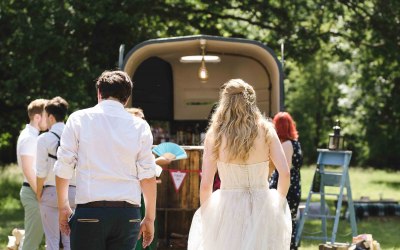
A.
x: 49, y: 214
x: 32, y: 222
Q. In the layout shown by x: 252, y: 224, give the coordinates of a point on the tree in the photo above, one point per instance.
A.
x: 342, y: 58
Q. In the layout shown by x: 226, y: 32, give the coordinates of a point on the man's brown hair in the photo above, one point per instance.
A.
x: 36, y: 107
x: 116, y: 84
x: 57, y: 107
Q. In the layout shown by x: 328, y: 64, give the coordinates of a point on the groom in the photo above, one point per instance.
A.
x: 111, y: 153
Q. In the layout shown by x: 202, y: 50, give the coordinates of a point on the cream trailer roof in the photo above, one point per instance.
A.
x: 191, y: 98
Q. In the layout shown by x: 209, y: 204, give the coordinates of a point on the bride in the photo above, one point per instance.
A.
x: 244, y: 213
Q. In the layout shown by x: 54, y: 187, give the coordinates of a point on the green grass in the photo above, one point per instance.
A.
x: 364, y: 182
x: 11, y: 210
x: 369, y: 182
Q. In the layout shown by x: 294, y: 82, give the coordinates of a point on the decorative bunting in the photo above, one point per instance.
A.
x: 182, y: 170
x: 177, y: 178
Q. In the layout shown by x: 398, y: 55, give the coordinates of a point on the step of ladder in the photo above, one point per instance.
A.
x: 320, y: 216
x: 320, y: 193
x: 315, y: 238
x: 332, y: 179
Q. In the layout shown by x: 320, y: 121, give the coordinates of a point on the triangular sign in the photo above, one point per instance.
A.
x: 177, y: 178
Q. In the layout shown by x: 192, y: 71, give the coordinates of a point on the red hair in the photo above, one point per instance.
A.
x: 285, y: 127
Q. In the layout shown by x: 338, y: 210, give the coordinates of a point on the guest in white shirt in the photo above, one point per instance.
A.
x: 110, y: 150
x: 56, y: 111
x: 26, y: 158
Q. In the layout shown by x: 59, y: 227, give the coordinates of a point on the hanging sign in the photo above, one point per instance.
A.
x: 177, y: 178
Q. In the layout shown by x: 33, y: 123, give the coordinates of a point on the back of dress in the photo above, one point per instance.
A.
x: 245, y: 176
x: 243, y: 214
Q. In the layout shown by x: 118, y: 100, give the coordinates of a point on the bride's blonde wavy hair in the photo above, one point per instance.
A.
x: 236, y: 119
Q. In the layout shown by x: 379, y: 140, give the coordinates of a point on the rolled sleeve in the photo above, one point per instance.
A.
x: 67, y: 152
x: 41, y: 158
x: 145, y: 163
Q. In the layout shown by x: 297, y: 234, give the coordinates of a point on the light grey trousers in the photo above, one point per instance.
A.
x: 49, y: 214
x: 32, y: 225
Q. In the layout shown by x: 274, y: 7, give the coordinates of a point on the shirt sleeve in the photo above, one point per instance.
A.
x: 41, y: 157
x: 68, y: 151
x: 28, y: 146
x: 146, y: 164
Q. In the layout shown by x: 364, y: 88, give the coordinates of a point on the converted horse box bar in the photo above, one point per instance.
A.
x: 177, y: 104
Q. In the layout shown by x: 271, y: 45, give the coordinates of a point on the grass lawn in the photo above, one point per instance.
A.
x: 375, y: 184
x: 364, y: 182
x: 11, y: 211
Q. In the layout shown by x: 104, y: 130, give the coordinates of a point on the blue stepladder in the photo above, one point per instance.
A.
x: 339, y: 177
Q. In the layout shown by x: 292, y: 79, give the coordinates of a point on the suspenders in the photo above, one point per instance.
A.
x: 55, y: 156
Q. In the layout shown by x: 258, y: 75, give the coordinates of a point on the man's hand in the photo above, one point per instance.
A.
x: 63, y: 215
x: 39, y: 197
x: 147, y: 231
x: 163, y: 161
x: 39, y: 188
x: 149, y: 189
x: 64, y: 209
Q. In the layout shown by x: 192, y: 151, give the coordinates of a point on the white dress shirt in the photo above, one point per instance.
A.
x: 47, y: 144
x: 111, y: 151
x: 26, y: 145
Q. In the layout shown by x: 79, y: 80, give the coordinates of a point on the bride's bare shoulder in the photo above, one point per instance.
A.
x: 265, y: 124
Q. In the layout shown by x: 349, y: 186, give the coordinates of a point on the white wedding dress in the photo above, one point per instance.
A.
x: 244, y: 214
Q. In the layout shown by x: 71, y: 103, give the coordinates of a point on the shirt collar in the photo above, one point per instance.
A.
x: 59, y: 126
x: 110, y: 103
x: 32, y: 129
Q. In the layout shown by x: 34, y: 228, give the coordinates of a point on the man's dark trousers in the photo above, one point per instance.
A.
x: 105, y: 228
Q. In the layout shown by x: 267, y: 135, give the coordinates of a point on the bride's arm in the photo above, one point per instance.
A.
x: 209, y: 169
x: 281, y: 164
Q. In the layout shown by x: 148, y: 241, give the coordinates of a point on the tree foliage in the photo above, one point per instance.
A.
x: 342, y: 58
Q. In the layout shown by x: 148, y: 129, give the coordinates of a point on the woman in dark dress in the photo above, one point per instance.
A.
x: 288, y: 135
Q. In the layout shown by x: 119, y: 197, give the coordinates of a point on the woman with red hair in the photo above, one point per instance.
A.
x: 288, y: 135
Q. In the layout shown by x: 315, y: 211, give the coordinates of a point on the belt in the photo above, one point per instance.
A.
x: 46, y: 186
x: 26, y: 184
x: 107, y: 204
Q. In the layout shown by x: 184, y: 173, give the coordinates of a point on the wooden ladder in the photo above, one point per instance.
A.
x: 323, y: 178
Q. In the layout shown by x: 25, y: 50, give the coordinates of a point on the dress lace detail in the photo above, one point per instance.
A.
x: 244, y: 214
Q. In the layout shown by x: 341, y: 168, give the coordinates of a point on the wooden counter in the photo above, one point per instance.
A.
x: 175, y: 209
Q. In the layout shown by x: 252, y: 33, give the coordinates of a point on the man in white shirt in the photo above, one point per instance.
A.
x: 26, y: 158
x: 56, y: 110
x: 110, y: 150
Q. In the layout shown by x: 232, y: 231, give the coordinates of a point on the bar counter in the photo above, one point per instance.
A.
x: 175, y: 208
